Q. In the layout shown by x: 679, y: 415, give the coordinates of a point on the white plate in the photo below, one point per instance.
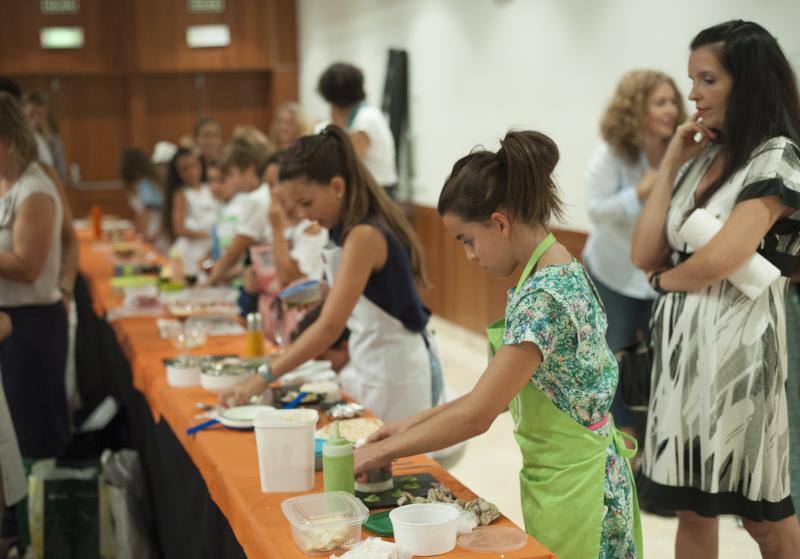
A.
x: 241, y: 417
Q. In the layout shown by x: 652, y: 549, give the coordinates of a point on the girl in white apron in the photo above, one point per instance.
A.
x: 551, y: 365
x: 373, y: 264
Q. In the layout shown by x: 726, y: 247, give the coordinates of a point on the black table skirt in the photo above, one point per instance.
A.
x: 187, y: 522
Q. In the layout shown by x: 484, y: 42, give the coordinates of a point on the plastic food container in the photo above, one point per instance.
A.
x: 285, y: 446
x: 184, y: 371
x: 425, y: 529
x: 301, y: 294
x: 325, y: 523
x: 224, y: 375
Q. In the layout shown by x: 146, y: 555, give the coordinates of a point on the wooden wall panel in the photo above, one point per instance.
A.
x: 284, y: 45
x: 92, y: 118
x: 161, y: 37
x: 461, y: 291
x: 107, y: 36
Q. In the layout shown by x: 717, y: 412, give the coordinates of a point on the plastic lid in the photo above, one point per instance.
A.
x: 324, y: 510
x: 286, y: 418
x: 493, y: 539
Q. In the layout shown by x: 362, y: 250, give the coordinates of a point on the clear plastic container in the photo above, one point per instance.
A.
x: 304, y: 293
x: 325, y: 523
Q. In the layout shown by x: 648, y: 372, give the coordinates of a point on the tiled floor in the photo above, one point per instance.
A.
x: 489, y: 463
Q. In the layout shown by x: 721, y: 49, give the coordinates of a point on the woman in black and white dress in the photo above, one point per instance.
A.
x: 717, y: 433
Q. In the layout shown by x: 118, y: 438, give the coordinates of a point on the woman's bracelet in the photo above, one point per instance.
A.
x: 655, y: 282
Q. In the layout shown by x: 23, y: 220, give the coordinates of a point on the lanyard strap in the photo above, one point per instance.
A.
x: 352, y: 117
x: 540, y: 249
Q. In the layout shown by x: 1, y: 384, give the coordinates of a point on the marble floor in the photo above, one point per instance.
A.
x: 488, y: 464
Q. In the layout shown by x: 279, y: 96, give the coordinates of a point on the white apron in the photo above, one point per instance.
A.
x: 390, y: 368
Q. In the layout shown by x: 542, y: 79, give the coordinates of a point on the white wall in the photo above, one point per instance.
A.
x: 479, y: 67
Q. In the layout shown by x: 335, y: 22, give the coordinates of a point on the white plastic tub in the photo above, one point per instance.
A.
x: 285, y: 445
x: 425, y: 529
x: 325, y: 523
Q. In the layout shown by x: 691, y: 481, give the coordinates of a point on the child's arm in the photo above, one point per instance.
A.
x: 364, y: 251
x: 508, y: 373
x: 179, y: 218
x: 230, y: 258
x: 287, y: 268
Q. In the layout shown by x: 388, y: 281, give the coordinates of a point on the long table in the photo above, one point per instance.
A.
x: 205, y: 488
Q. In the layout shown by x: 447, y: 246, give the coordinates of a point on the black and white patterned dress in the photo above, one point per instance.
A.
x: 717, y: 434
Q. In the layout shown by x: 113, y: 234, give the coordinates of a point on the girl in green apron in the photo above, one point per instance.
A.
x: 550, y: 362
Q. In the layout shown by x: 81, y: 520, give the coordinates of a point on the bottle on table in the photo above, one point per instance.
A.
x: 255, y: 335
x: 338, y: 467
x: 97, y: 222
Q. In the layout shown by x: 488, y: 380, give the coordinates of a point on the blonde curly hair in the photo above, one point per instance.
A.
x: 624, y: 123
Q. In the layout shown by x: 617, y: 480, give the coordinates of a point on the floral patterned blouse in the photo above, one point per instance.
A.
x: 558, y: 310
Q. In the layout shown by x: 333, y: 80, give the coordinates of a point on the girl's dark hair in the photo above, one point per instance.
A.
x: 330, y: 154
x: 274, y: 159
x: 516, y: 179
x: 763, y: 102
x: 175, y: 183
x: 135, y: 165
x: 342, y: 85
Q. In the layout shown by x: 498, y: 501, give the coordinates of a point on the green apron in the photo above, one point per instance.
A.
x: 562, y: 482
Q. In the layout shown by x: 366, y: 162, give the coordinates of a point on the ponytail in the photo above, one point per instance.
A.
x: 517, y: 179
x: 329, y: 154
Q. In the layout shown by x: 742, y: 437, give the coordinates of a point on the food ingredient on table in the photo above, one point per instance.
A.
x: 484, y: 511
x: 354, y: 430
x: 328, y: 388
x: 374, y: 548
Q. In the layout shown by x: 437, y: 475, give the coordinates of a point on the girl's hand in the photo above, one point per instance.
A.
x: 390, y: 430
x: 683, y: 146
x: 369, y: 457
x: 240, y: 394
x: 250, y: 281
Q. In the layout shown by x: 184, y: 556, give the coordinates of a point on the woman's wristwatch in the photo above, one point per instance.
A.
x: 265, y: 372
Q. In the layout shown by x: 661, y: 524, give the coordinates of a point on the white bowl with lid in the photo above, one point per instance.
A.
x: 425, y: 529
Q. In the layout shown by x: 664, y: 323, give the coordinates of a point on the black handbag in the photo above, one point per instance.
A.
x: 635, y: 363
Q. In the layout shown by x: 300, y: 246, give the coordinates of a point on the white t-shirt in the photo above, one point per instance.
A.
x: 227, y: 226
x: 380, y: 153
x: 201, y: 215
x: 380, y: 158
x: 45, y: 154
x: 307, y: 248
x: 44, y: 290
x: 253, y: 221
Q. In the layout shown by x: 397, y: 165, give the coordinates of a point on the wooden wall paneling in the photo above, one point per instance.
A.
x: 94, y: 124
x: 162, y: 44
x: 283, y: 87
x: 239, y: 98
x: 106, y: 35
x: 462, y: 292
x: 283, y: 17
x: 172, y: 104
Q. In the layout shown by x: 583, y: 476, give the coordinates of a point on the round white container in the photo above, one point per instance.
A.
x: 285, y: 445
x: 425, y: 529
x: 220, y: 383
x: 180, y: 377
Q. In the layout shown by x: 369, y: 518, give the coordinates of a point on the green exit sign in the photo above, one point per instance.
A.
x: 60, y: 6
x: 205, y: 6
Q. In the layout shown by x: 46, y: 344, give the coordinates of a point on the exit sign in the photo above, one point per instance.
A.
x: 60, y: 6
x: 205, y: 6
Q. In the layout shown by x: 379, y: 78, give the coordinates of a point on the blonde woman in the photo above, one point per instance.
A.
x: 288, y: 124
x: 636, y: 128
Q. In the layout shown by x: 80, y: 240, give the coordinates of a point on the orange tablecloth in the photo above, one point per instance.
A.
x: 226, y: 459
